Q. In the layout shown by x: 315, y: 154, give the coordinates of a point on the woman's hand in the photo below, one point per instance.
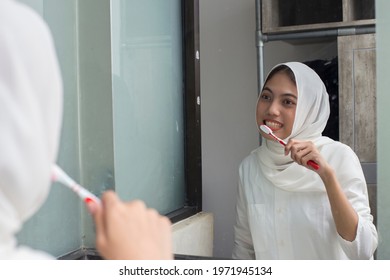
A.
x: 304, y: 151
x: 130, y: 230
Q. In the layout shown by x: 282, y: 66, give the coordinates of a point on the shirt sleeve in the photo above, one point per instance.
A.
x: 352, y: 180
x: 243, y: 245
x: 365, y: 243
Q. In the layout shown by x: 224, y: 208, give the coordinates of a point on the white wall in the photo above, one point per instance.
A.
x: 194, y: 236
x: 229, y: 93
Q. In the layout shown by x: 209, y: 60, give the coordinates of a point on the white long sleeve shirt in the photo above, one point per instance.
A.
x: 274, y: 223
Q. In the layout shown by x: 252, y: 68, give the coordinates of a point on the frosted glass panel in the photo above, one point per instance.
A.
x: 57, y: 227
x: 148, y: 102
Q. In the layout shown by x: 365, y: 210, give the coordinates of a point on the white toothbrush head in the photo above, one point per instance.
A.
x: 266, y: 129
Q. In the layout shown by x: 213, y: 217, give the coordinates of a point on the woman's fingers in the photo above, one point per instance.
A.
x: 302, y: 152
x: 130, y: 230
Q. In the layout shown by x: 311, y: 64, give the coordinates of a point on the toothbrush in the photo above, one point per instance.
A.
x: 268, y: 131
x: 58, y: 175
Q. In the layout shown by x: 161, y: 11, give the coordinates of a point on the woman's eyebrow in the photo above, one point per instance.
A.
x: 267, y: 88
x: 290, y: 95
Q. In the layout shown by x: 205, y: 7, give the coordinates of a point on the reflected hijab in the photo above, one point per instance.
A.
x: 311, y: 116
x: 30, y: 121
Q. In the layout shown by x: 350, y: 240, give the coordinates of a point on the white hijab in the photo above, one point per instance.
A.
x: 312, y: 113
x: 30, y: 121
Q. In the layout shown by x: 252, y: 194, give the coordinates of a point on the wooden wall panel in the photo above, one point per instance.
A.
x: 357, y: 94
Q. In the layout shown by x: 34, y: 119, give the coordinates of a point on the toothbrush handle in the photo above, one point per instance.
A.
x: 310, y: 162
x: 313, y: 164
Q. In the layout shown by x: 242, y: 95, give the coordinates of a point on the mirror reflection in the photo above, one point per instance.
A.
x: 163, y: 103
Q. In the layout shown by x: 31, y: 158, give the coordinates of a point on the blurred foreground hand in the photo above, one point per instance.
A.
x: 130, y: 230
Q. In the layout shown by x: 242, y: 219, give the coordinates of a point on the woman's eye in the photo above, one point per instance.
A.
x: 265, y: 97
x: 289, y: 102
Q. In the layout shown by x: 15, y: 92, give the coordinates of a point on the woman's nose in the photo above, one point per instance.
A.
x: 273, y: 109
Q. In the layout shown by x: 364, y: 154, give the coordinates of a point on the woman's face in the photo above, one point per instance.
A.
x: 277, y: 105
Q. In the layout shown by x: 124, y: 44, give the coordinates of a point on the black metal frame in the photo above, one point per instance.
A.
x: 193, y: 152
x: 93, y: 254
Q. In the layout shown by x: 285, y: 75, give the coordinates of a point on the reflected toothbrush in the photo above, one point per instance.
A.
x: 269, y: 131
x: 58, y: 175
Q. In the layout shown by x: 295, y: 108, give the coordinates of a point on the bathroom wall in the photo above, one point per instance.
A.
x: 383, y: 119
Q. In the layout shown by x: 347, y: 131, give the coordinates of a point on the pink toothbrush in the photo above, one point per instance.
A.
x: 58, y: 175
x: 268, y: 131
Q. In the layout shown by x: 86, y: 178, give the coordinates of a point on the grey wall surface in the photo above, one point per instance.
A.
x: 229, y: 94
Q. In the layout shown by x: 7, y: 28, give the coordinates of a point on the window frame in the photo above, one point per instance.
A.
x: 192, y: 113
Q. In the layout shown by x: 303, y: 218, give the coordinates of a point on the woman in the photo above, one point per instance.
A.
x: 30, y: 122
x: 286, y: 209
